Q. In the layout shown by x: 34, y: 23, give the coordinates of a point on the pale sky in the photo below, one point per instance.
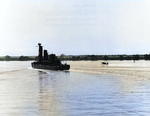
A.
x: 75, y: 27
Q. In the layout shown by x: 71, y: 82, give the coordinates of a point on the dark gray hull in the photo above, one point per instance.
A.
x: 49, y: 67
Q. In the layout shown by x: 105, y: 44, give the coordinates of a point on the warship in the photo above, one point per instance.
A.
x: 50, y: 62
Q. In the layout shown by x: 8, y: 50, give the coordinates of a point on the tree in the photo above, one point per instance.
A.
x: 7, y: 58
x: 121, y: 57
x: 147, y: 56
x: 62, y: 56
x: 136, y: 57
x: 23, y: 58
x: 105, y: 57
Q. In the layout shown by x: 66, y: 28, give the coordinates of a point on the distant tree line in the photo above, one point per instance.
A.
x: 16, y: 58
x: 105, y: 57
x: 81, y: 57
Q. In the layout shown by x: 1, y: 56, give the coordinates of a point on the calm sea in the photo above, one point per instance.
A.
x: 89, y: 89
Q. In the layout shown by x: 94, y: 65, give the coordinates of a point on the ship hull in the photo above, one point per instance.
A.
x: 49, y: 67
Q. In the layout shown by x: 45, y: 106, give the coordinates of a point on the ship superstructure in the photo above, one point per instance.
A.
x: 50, y: 62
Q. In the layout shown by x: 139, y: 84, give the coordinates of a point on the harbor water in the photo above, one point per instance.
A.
x: 121, y: 88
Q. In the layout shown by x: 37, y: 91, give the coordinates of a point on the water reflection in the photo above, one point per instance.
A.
x: 48, y: 101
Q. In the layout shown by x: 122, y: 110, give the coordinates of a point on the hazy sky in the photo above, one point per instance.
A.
x: 75, y: 27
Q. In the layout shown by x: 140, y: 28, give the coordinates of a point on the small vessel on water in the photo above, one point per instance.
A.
x: 104, y: 63
x: 50, y: 62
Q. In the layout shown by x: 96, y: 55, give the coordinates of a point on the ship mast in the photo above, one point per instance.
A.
x: 40, y: 53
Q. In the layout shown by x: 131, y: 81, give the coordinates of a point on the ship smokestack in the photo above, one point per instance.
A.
x: 40, y: 52
x: 45, y: 55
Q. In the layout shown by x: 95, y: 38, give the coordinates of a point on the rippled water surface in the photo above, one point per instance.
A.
x: 89, y: 89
